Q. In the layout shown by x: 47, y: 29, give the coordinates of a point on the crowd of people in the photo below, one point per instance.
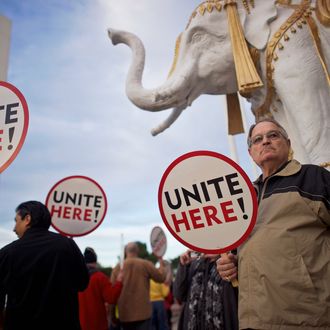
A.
x: 283, y: 268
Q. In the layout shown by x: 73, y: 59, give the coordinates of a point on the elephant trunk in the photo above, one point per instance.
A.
x: 173, y: 93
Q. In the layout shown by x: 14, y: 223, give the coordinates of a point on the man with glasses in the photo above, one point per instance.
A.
x: 284, y: 266
x: 40, y: 274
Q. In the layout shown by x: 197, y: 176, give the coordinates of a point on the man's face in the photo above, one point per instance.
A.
x: 21, y: 224
x: 273, y: 149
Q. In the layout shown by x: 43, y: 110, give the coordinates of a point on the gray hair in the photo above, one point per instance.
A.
x: 269, y: 120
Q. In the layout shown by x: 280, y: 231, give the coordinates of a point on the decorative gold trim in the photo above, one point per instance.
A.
x: 201, y: 9
x: 176, y: 54
x: 288, y: 3
x: 325, y: 164
x: 271, y: 55
x: 283, y: 2
x: 246, y: 72
x: 246, y: 6
x: 218, y: 6
x: 255, y: 55
x: 323, y: 12
x: 208, y: 6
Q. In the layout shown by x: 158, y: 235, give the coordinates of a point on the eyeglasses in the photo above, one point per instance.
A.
x: 271, y: 135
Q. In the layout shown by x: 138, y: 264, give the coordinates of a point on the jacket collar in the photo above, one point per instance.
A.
x: 289, y: 168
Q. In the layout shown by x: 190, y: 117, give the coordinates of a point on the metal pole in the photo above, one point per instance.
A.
x: 5, y: 29
x: 256, y: 173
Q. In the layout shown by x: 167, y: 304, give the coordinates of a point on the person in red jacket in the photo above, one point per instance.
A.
x: 92, y: 301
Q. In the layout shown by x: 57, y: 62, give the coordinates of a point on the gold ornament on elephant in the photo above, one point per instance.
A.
x: 176, y: 54
x: 301, y: 16
x: 325, y: 164
x: 246, y: 72
x: 246, y: 5
x: 323, y: 11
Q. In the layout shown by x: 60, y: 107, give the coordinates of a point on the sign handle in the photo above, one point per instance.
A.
x: 234, y: 283
x: 122, y: 251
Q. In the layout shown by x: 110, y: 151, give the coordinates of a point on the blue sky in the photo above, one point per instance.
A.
x: 81, y: 122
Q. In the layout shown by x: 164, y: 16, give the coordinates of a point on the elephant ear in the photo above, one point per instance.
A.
x: 256, y: 23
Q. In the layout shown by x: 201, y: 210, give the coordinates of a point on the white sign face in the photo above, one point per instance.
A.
x: 14, y: 121
x: 207, y: 202
x: 77, y: 205
x: 158, y: 241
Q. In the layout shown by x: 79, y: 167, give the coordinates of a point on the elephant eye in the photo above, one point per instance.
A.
x: 196, y: 37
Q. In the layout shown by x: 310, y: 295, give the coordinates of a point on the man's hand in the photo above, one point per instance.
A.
x: 227, y: 267
x: 186, y: 258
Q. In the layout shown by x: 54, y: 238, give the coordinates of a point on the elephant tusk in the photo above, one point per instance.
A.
x: 176, y: 112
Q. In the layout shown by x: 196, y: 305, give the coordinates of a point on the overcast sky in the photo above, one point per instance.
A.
x: 81, y: 122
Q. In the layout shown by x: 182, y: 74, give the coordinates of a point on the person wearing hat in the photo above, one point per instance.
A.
x: 92, y: 301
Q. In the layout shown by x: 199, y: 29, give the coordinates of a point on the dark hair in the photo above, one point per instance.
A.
x: 269, y: 120
x: 40, y: 216
x: 90, y: 255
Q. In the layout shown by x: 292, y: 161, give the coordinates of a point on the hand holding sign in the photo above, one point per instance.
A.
x: 77, y: 205
x: 207, y: 202
x: 227, y: 267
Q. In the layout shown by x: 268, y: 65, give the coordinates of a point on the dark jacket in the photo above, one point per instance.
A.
x: 41, y: 274
x: 209, y: 302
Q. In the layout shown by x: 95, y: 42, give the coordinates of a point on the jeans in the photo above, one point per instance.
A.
x: 159, y: 316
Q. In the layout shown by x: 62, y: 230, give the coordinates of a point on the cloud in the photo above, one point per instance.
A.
x: 6, y: 236
x: 81, y: 122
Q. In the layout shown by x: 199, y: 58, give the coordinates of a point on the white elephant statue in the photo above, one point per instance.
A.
x: 276, y: 53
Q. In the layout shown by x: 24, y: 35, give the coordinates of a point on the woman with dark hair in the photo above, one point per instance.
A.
x: 210, y: 303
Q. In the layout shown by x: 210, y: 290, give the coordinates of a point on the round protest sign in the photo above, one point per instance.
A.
x: 207, y: 202
x: 14, y: 121
x: 77, y: 205
x: 158, y: 241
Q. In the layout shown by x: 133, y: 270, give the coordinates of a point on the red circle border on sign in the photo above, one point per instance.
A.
x: 153, y: 229
x: 25, y: 127
x: 88, y: 179
x: 243, y: 174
